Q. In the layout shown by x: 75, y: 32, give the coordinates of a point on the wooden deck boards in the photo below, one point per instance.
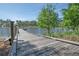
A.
x: 32, y: 45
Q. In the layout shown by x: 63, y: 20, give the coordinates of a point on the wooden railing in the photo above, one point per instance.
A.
x: 13, y: 40
x: 13, y: 49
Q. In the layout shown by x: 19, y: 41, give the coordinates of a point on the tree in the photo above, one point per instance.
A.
x: 8, y: 22
x: 24, y: 24
x: 1, y: 22
x: 71, y: 16
x: 5, y: 23
x: 47, y: 18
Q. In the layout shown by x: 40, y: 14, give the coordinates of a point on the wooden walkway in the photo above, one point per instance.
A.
x: 32, y: 45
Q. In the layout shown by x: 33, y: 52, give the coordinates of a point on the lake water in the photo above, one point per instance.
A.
x: 4, y: 32
x: 38, y: 31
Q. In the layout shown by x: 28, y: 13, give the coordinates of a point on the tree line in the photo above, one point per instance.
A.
x: 48, y: 18
x: 19, y: 23
x: 5, y: 23
x: 25, y: 24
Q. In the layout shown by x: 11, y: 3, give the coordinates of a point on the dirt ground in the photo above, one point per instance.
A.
x: 4, y: 47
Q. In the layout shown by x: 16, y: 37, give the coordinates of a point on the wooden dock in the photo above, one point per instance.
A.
x: 32, y: 45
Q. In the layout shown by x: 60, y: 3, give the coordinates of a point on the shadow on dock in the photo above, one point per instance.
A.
x: 29, y: 49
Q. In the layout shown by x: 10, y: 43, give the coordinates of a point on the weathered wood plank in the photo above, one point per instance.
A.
x: 29, y: 44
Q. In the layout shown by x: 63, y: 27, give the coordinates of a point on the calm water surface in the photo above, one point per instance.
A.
x: 4, y: 32
x: 39, y: 31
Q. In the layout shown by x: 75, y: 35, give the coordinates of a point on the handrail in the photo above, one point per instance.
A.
x: 13, y: 49
x: 14, y: 39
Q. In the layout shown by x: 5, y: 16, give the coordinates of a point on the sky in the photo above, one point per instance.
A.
x: 25, y: 11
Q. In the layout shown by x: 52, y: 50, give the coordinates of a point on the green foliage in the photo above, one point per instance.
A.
x: 5, y: 23
x: 71, y: 16
x: 47, y: 17
x: 24, y: 24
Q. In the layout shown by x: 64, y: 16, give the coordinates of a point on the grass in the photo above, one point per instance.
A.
x: 73, y: 36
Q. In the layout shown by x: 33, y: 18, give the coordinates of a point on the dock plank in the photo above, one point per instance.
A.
x: 32, y: 45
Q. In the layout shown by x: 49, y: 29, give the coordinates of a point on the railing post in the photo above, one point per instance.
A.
x: 12, y: 32
x: 16, y: 38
